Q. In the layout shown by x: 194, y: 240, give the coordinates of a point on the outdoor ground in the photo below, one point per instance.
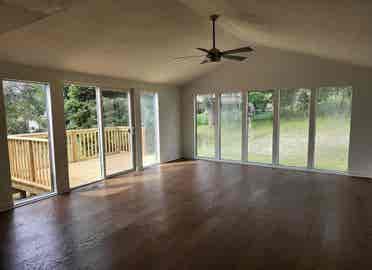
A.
x: 331, y: 150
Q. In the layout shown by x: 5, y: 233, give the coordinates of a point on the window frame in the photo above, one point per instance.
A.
x: 216, y: 109
x: 157, y: 129
x: 51, y: 143
x: 220, y: 125
x: 312, y: 128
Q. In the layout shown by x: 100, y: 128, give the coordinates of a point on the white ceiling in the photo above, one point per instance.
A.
x: 139, y: 39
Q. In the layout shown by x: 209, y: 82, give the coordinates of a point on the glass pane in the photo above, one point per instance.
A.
x: 116, y: 122
x: 231, y: 126
x: 82, y: 134
x: 333, y: 128
x: 28, y: 138
x: 149, y: 115
x: 205, y: 126
x: 260, y: 126
x: 294, y: 127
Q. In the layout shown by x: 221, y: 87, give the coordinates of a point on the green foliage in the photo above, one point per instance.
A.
x: 260, y: 99
x: 294, y: 103
x: 25, y: 103
x: 334, y: 101
x: 202, y: 118
x: 115, y: 109
x: 263, y: 116
x: 80, y: 107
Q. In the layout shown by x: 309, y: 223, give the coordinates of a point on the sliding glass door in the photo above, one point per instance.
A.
x: 260, y: 126
x: 117, y: 126
x: 294, y: 127
x: 333, y: 117
x: 83, y: 137
x: 205, y: 124
x: 231, y: 126
x: 27, y: 115
x: 150, y: 128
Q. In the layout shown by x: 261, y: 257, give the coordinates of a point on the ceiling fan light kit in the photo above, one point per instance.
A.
x: 214, y: 54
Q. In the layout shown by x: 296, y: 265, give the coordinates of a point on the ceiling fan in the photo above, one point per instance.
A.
x: 214, y: 54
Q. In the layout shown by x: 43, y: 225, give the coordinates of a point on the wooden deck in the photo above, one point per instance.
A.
x: 30, y: 163
x: 87, y: 171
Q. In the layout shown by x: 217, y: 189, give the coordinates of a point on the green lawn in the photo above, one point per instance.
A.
x: 331, y: 147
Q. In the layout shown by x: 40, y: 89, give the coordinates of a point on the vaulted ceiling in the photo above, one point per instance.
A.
x: 139, y: 39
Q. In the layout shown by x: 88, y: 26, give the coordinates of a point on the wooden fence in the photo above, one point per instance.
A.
x: 29, y: 154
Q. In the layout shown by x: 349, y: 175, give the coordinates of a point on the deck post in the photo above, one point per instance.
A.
x: 74, y: 154
x: 32, y: 162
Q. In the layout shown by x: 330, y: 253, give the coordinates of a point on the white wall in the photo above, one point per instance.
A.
x: 170, y: 125
x: 271, y: 69
x: 169, y: 115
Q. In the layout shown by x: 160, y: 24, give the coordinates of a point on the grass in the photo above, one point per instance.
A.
x: 331, y: 142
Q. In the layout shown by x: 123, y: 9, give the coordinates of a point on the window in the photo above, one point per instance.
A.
x: 294, y: 127
x: 205, y: 125
x: 82, y: 135
x: 27, y: 114
x: 260, y: 126
x: 117, y: 130
x: 307, y: 128
x: 231, y: 126
x: 150, y: 128
x: 333, y: 110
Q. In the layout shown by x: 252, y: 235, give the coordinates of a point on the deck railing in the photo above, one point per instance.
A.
x: 82, y: 144
x: 29, y: 153
x: 29, y: 162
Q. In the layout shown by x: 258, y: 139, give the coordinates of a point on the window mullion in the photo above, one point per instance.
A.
x: 312, y: 128
x: 244, y: 126
x: 276, y: 126
x: 101, y: 135
x: 217, y: 126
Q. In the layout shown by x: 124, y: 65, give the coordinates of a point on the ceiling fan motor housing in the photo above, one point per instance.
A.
x: 214, y: 55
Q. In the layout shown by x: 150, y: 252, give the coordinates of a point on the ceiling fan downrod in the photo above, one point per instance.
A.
x: 214, y: 18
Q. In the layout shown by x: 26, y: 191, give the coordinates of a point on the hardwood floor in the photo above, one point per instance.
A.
x: 197, y: 215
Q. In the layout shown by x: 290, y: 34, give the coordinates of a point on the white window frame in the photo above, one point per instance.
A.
x: 310, y: 167
x: 47, y: 89
x: 101, y: 135
x: 219, y: 106
x: 157, y: 129
x: 101, y: 129
x: 216, y: 127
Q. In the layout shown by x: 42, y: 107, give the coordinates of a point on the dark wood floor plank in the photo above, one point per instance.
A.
x: 197, y: 215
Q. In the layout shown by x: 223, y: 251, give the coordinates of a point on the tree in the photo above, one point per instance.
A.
x: 80, y: 107
x: 115, y: 109
x: 25, y: 104
x: 260, y: 99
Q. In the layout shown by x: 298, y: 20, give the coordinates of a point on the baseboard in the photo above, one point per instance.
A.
x: 176, y: 160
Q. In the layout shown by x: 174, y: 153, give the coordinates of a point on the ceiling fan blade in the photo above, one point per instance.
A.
x: 239, y: 50
x: 189, y: 56
x: 205, y: 61
x: 234, y: 57
x: 203, y: 50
